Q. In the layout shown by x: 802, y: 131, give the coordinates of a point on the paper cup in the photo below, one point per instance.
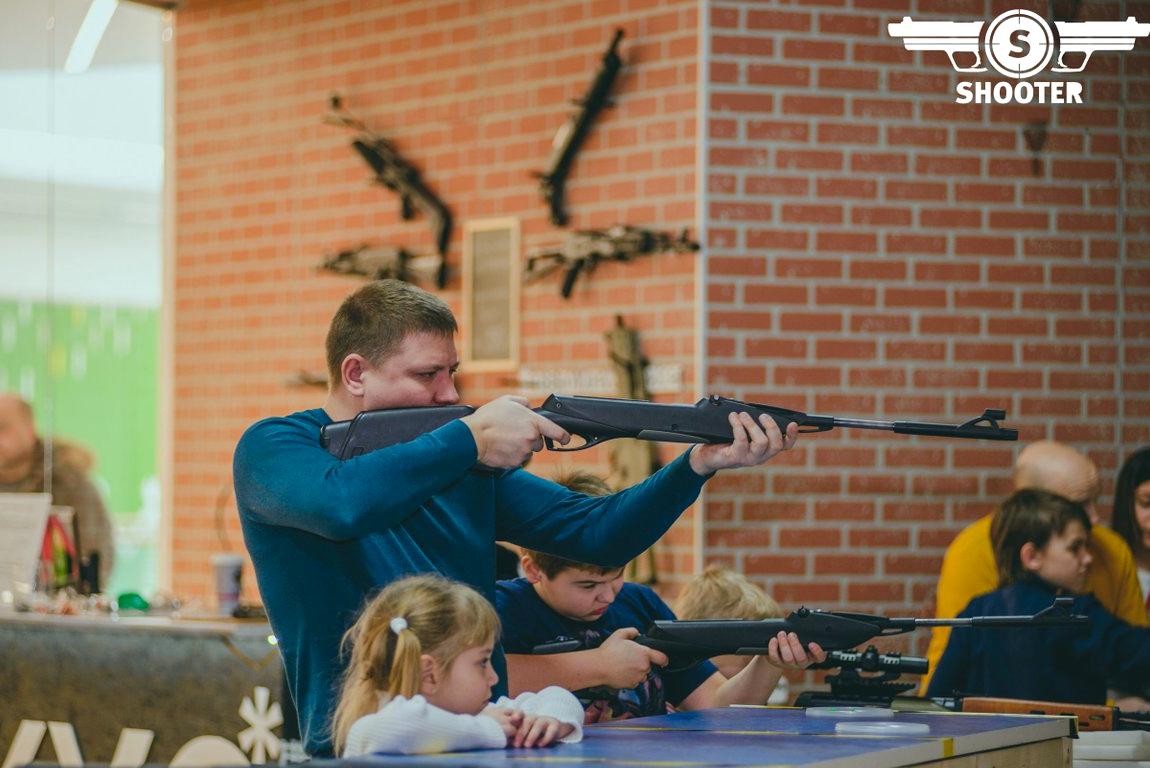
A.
x: 229, y: 569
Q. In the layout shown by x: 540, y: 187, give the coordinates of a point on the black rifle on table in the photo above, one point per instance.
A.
x: 686, y: 643
x: 382, y: 262
x: 868, y: 689
x: 398, y: 175
x: 570, y: 136
x: 598, y: 419
x: 583, y: 250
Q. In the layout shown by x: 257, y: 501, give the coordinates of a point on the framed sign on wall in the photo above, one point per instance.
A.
x: 491, y: 294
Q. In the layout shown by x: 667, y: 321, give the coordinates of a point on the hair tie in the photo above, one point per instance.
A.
x: 398, y: 624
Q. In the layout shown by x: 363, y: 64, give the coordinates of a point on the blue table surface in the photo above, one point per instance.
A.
x: 754, y: 737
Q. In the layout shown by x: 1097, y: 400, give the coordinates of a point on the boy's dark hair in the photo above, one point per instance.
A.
x: 552, y: 565
x: 1135, y: 471
x: 375, y: 320
x: 1029, y: 516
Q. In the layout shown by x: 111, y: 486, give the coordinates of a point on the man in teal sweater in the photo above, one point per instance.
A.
x: 323, y: 534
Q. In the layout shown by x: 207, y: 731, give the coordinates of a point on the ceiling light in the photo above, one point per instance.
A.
x: 88, y: 38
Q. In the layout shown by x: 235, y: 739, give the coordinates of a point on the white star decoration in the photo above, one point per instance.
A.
x: 259, y: 739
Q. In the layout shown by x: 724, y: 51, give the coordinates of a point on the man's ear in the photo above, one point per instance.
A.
x: 1031, y: 557
x: 531, y: 571
x: 429, y: 674
x: 351, y: 373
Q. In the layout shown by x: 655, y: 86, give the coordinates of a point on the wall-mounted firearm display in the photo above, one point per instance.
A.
x: 398, y: 175
x: 583, y: 250
x: 571, y: 135
x: 382, y: 262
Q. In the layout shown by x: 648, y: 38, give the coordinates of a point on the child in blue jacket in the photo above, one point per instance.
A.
x: 1040, y: 546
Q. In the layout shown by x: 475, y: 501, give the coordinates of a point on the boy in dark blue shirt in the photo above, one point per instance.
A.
x: 1040, y: 546
x: 559, y: 599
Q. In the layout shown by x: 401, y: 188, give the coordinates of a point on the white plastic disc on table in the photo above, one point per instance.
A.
x: 882, y: 728
x: 851, y: 713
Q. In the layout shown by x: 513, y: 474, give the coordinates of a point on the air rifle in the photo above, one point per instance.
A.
x: 398, y: 175
x: 570, y: 136
x: 382, y: 262
x: 598, y: 419
x: 687, y: 642
x: 583, y: 250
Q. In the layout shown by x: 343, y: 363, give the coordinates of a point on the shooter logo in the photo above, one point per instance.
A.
x: 1019, y: 44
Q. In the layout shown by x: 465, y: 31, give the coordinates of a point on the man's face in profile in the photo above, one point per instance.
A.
x: 421, y: 373
x: 17, y: 433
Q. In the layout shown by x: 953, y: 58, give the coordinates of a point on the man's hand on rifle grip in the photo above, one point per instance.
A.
x: 507, y: 432
x: 752, y: 444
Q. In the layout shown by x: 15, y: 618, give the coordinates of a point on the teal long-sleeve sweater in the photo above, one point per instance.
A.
x: 324, y: 534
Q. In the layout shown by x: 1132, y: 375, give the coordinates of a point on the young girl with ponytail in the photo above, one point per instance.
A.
x: 419, y: 679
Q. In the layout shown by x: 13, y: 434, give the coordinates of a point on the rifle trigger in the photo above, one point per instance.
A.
x: 587, y: 443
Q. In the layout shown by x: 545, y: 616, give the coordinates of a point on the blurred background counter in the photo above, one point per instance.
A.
x: 183, y: 680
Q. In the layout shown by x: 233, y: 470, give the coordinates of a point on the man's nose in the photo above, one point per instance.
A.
x: 446, y: 393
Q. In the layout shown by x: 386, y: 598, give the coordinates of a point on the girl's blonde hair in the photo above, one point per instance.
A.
x: 720, y: 593
x: 444, y: 618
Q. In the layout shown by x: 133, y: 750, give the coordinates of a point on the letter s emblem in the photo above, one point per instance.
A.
x: 1019, y: 47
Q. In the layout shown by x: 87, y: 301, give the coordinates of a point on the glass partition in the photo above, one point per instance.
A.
x: 81, y: 175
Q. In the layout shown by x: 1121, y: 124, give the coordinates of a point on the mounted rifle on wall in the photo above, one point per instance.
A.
x: 584, y: 249
x: 398, y: 175
x: 570, y: 136
x: 381, y: 263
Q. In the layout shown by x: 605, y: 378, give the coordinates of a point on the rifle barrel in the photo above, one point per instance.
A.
x: 863, y: 423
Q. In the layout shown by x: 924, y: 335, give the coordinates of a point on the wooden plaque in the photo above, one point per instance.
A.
x: 491, y: 294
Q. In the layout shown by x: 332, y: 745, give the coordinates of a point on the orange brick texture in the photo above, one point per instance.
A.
x: 872, y: 248
x: 877, y: 250
x: 472, y: 94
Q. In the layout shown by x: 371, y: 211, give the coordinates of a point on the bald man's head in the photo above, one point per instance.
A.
x: 17, y: 435
x: 1057, y: 468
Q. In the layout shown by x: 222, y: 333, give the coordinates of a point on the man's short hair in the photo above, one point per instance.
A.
x: 552, y: 565
x: 375, y: 320
x: 1029, y: 516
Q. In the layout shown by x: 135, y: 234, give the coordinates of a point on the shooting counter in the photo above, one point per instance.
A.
x: 75, y: 689
x: 741, y: 737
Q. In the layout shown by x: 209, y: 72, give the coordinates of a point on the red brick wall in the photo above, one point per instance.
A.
x: 471, y: 93
x: 873, y: 249
x: 877, y: 250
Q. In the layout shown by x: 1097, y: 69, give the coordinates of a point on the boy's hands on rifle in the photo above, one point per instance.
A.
x: 507, y: 432
x: 753, y: 444
x: 786, y: 651
x: 624, y: 662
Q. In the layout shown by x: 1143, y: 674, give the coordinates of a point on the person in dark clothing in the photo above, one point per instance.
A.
x: 1040, y: 547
